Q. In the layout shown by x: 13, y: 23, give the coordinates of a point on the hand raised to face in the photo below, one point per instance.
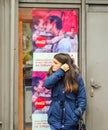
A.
x: 65, y: 67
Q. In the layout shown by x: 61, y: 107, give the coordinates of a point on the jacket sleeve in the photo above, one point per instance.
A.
x: 52, y: 80
x: 81, y: 97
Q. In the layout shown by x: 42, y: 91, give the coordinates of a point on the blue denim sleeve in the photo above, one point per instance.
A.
x: 52, y: 80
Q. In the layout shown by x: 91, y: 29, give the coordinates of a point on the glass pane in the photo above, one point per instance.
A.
x: 27, y: 50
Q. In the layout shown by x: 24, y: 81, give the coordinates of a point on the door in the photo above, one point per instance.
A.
x: 97, y: 67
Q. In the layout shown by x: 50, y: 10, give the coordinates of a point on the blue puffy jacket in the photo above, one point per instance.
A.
x: 65, y: 109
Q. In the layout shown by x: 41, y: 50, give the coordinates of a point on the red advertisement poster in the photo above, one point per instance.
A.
x: 53, y: 31
x: 41, y: 96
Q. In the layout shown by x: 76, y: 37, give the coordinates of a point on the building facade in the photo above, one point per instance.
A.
x: 92, y: 59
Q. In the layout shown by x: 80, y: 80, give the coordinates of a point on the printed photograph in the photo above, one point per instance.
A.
x: 40, y: 95
x: 55, y: 30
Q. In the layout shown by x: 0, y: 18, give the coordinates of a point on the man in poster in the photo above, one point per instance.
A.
x: 64, y: 42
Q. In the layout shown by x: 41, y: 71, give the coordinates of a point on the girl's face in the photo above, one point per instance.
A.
x: 56, y: 65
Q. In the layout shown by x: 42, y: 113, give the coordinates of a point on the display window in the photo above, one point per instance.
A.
x: 42, y: 34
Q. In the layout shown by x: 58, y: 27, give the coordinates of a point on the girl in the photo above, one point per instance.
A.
x: 68, y: 93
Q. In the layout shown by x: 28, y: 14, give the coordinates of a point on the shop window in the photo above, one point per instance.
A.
x: 36, y: 50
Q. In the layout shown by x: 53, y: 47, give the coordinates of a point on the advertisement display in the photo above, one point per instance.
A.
x: 53, y: 31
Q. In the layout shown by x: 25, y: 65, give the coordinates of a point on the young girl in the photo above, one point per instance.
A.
x: 68, y: 93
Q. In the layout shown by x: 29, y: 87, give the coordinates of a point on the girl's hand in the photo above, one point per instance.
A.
x: 65, y: 67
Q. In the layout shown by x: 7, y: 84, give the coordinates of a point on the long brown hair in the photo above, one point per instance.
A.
x: 70, y: 78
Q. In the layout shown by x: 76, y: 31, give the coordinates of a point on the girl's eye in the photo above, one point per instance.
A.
x: 55, y: 63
